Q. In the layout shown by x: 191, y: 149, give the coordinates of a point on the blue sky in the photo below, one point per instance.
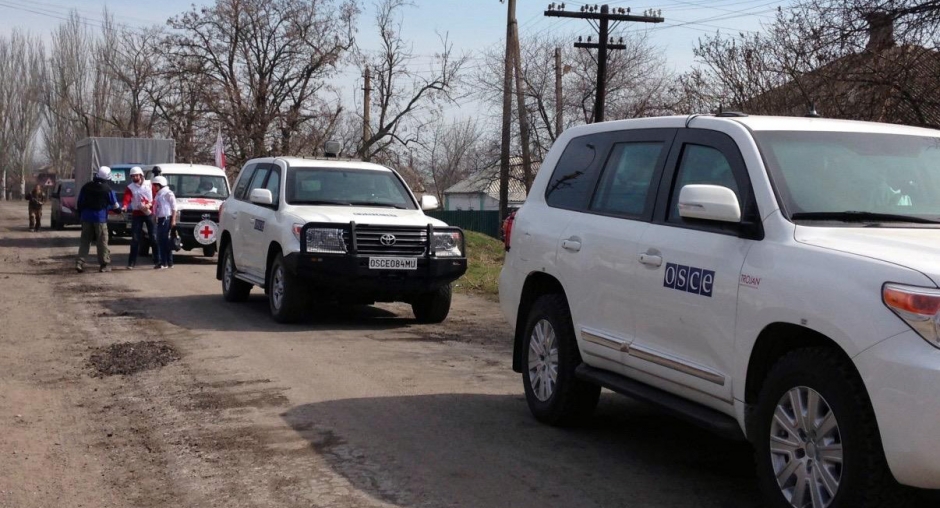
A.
x: 472, y: 25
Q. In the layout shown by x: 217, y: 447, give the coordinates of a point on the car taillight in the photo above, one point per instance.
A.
x: 507, y: 229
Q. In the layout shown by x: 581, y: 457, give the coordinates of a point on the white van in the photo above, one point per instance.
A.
x: 199, y: 191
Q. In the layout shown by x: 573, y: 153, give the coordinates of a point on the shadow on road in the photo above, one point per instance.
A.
x: 212, y: 312
x: 486, y: 450
x: 27, y: 240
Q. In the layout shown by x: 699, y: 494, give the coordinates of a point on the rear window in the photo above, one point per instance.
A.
x: 67, y: 190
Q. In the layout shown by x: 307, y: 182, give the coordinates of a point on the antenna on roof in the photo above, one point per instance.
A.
x: 812, y: 111
x: 331, y: 149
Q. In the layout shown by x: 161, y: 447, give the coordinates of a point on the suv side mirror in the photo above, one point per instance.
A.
x: 261, y: 197
x: 709, y: 202
x: 429, y: 202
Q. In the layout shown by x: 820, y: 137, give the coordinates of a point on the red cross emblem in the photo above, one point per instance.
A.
x: 206, y: 232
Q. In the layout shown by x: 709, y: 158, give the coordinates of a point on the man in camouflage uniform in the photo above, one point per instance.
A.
x: 36, y: 199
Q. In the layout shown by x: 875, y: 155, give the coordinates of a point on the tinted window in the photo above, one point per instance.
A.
x: 257, y: 181
x: 242, y: 184
x: 701, y: 165
x: 355, y: 187
x: 67, y: 190
x: 626, y: 181
x: 274, y: 185
x: 573, y: 181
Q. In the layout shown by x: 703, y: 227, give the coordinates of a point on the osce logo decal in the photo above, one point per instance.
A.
x: 690, y: 279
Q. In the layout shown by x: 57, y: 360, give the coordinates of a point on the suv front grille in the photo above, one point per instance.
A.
x: 408, y: 241
x: 197, y: 215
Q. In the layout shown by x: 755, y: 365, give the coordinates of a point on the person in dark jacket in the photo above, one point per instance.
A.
x: 37, y: 198
x: 94, y: 201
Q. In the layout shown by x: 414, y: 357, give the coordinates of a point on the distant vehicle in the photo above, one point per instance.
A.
x: 199, y: 190
x: 119, y: 223
x: 309, y: 230
x: 64, y: 204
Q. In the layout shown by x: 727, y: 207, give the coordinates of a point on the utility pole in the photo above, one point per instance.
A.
x: 604, y: 43
x: 366, y: 114
x: 558, y: 100
x: 507, y: 113
x: 523, y: 115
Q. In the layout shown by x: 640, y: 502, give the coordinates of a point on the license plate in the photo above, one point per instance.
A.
x: 393, y: 263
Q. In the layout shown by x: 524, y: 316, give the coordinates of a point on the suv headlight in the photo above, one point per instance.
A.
x: 325, y: 240
x: 918, y: 307
x: 448, y: 244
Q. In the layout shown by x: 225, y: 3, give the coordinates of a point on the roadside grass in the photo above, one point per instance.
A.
x: 484, y: 261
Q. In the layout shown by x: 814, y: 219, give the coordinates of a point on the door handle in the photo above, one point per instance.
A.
x: 651, y: 259
x: 571, y: 244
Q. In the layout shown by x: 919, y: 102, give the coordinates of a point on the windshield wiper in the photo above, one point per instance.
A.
x: 858, y: 216
x: 376, y: 203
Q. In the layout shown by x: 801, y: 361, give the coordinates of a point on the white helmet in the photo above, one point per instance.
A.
x: 136, y: 171
x: 159, y: 180
x: 104, y: 173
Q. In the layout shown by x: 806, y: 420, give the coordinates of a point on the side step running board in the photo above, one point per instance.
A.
x: 697, y: 414
x: 249, y: 279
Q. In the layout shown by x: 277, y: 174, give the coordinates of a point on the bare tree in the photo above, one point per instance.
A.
x: 402, y: 94
x: 23, y: 108
x: 451, y: 152
x: 130, y: 58
x: 265, y: 61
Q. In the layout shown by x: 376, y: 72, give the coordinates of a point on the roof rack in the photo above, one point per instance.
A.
x: 730, y: 114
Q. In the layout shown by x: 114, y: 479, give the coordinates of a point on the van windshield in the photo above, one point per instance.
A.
x: 854, y: 176
x: 198, y: 186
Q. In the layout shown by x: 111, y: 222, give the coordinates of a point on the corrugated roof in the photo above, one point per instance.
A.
x: 899, y: 84
x: 487, y: 181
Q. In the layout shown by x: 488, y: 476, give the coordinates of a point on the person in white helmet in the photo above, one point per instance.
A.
x: 94, y: 200
x: 138, y: 198
x: 165, y: 210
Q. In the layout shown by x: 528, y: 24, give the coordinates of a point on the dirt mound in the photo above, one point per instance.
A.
x: 132, y: 357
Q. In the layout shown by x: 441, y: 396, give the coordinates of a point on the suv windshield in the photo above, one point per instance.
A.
x: 854, y: 176
x: 197, y: 186
x: 348, y: 187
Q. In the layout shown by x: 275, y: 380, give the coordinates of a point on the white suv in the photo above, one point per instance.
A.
x: 774, y: 279
x: 326, y: 229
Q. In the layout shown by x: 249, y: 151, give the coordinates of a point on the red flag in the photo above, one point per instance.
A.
x: 219, y: 152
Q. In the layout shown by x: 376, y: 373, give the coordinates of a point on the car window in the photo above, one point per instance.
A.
x: 243, y: 179
x: 257, y: 180
x: 625, y: 183
x: 573, y: 179
x: 66, y: 190
x: 274, y: 185
x: 701, y: 165
x: 197, y: 186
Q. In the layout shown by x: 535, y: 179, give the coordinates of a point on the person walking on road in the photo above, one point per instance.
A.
x: 37, y: 198
x: 138, y: 198
x: 94, y: 200
x: 165, y: 210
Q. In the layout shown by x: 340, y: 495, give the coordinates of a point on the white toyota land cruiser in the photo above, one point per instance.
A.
x: 774, y: 279
x: 310, y: 230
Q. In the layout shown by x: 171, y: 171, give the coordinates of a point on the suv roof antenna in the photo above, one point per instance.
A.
x: 331, y: 149
x: 812, y: 111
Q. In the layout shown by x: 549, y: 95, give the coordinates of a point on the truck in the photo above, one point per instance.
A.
x: 120, y: 154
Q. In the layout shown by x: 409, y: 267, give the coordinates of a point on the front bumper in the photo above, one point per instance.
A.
x: 351, y: 276
x: 902, y: 375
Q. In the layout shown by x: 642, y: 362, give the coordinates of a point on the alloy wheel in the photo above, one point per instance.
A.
x: 543, y: 360
x: 806, y: 449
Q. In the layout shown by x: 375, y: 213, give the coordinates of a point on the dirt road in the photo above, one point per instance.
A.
x: 360, y: 407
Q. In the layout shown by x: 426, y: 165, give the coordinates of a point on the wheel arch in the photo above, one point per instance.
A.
x: 274, y: 248
x: 224, y: 241
x: 536, y: 285
x: 775, y: 341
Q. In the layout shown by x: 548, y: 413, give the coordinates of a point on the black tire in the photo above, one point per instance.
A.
x: 209, y: 250
x: 287, y: 298
x: 432, y: 307
x: 860, y: 475
x: 570, y: 400
x: 54, y: 225
x: 233, y: 290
